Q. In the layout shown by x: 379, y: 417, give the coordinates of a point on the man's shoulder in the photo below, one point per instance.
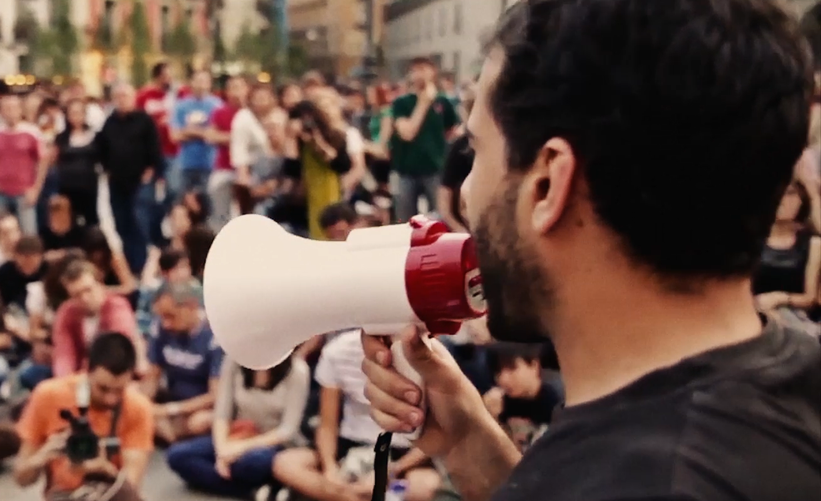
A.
x: 117, y: 302
x: 343, y: 345
x: 55, y: 389
x: 404, y: 100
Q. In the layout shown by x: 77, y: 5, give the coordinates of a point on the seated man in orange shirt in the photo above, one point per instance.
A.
x: 112, y: 402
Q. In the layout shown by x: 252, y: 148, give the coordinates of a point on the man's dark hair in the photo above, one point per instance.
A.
x: 29, y: 245
x: 170, y: 258
x: 422, y: 61
x: 686, y: 118
x: 76, y: 269
x: 503, y: 355
x: 337, y: 213
x: 113, y: 352
x: 158, y: 69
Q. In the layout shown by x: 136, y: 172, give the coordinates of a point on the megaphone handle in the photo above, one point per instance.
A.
x: 402, y: 366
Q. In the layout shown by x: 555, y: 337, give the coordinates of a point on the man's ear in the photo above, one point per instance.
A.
x: 547, y: 185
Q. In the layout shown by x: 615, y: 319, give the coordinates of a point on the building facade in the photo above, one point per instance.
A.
x: 334, y: 32
x: 451, y: 31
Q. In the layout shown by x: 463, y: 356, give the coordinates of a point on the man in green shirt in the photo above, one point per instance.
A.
x: 423, y: 120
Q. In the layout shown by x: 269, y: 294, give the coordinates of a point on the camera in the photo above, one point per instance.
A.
x: 82, y: 444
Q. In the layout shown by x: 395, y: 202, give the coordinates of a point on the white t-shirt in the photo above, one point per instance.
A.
x: 340, y: 366
x: 355, y: 141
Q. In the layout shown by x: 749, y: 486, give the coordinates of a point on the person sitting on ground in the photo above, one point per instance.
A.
x: 61, y: 232
x: 110, y: 396
x: 174, y: 268
x: 317, y: 474
x: 521, y: 400
x: 183, y: 352
x: 10, y: 234
x: 27, y: 266
x: 337, y: 220
x: 176, y: 226
x: 257, y: 414
x: 112, y: 266
x: 90, y: 311
x: 43, y: 300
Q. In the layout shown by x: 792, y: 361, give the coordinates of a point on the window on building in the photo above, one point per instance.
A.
x: 457, y: 66
x: 443, y: 22
x: 457, y: 18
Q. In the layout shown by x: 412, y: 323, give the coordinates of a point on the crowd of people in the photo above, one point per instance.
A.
x: 109, y: 209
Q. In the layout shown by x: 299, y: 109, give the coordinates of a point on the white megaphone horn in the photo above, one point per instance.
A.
x: 267, y: 291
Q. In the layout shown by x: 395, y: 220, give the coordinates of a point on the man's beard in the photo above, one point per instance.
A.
x: 515, y: 287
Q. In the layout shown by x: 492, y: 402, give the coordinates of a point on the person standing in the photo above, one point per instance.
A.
x: 130, y: 154
x: 221, y: 184
x: 631, y: 156
x: 77, y: 158
x: 23, y: 164
x: 423, y: 122
x: 189, y: 128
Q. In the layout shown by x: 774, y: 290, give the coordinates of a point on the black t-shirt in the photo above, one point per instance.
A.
x: 741, y: 423
x: 13, y: 283
x: 457, y: 168
x: 72, y: 239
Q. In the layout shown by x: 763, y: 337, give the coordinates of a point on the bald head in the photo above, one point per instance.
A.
x: 124, y: 97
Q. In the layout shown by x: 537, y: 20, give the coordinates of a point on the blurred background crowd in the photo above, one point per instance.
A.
x: 110, y: 200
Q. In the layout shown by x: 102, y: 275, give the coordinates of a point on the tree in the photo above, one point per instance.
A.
x: 140, y: 39
x: 258, y: 50
x: 65, y: 41
x: 27, y: 30
x: 103, y: 37
x: 181, y: 42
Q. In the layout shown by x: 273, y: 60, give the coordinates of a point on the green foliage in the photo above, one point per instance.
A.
x: 140, y: 38
x: 258, y: 50
x: 181, y: 43
x: 298, y: 62
x: 64, y: 38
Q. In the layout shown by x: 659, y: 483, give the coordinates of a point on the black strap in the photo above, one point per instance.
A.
x: 380, y: 466
x: 112, y: 444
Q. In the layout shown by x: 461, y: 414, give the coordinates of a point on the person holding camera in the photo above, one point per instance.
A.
x: 88, y: 430
x: 319, y: 160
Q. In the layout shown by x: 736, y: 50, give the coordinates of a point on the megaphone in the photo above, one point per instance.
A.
x: 267, y: 291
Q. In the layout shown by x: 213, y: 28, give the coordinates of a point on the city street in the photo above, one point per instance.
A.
x: 160, y: 485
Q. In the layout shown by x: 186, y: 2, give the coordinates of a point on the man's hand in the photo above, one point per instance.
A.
x: 223, y: 469
x: 428, y: 93
x: 31, y: 195
x: 166, y: 410
x: 100, y: 466
x: 494, y: 401
x: 334, y: 476
x: 51, y: 450
x: 453, y: 402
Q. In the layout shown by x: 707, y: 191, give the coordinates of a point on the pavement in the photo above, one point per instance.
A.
x: 160, y: 484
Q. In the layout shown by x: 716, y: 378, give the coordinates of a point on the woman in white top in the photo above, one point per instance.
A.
x: 256, y: 415
x: 253, y: 156
x: 318, y: 474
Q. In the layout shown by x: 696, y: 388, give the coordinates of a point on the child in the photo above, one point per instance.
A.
x: 522, y: 400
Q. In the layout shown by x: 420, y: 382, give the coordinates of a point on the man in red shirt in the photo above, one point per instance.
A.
x: 220, y: 186
x: 157, y: 99
x: 23, y: 165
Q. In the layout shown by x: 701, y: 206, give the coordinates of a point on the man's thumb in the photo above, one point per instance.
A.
x: 419, y: 351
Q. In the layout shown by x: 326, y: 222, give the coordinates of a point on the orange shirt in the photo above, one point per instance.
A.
x: 41, y: 419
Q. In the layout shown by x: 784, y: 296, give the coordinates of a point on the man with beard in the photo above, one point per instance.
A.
x: 610, y: 138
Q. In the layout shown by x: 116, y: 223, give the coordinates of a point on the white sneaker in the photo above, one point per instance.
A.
x: 262, y: 493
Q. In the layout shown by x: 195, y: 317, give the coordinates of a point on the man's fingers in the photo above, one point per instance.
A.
x: 389, y: 423
x: 408, y: 414
x: 391, y: 382
x: 376, y: 350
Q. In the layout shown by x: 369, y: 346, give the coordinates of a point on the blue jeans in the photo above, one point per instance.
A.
x: 33, y: 375
x: 26, y: 214
x: 195, y: 180
x: 408, y: 189
x: 133, y: 212
x: 193, y: 460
